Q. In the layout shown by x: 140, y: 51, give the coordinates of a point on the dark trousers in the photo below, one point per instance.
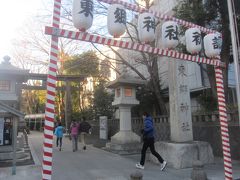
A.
x: 149, y: 143
x: 59, y: 141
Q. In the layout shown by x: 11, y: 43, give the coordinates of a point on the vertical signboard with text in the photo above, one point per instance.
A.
x: 1, y: 130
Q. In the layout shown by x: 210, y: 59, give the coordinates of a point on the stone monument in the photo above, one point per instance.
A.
x: 182, y: 151
x: 125, y: 97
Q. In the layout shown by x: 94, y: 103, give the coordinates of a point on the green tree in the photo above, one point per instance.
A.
x: 148, y: 102
x: 212, y: 14
x: 102, y: 102
x: 86, y: 64
x: 33, y: 101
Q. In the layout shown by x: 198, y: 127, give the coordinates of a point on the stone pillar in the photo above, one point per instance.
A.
x: 125, y: 118
x: 137, y: 175
x: 14, y: 144
x: 103, y: 131
x: 180, y: 106
x: 35, y: 124
x: 198, y: 172
x: 68, y: 104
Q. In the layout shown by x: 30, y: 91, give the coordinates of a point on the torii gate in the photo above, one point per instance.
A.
x: 55, y: 32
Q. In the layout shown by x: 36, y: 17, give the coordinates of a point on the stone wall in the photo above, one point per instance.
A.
x: 206, y: 127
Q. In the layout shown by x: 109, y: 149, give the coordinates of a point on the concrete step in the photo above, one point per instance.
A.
x: 24, y: 157
x: 9, y: 155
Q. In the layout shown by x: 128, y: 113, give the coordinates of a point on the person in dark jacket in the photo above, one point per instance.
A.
x: 85, y: 128
x: 148, y: 141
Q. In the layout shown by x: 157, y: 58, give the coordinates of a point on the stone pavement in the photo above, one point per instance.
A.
x: 97, y: 164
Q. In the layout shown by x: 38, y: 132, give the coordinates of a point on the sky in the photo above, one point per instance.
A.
x: 13, y: 13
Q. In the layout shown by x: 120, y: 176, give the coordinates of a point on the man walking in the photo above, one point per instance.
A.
x: 148, y: 141
x: 84, y: 129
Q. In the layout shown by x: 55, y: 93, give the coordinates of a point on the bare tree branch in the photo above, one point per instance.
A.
x: 127, y: 63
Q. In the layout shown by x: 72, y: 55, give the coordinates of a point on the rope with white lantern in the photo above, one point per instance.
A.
x: 193, y: 40
x: 82, y: 14
x: 82, y: 20
x: 158, y: 15
x: 116, y: 20
x: 84, y: 36
x: 146, y: 27
x: 170, y: 34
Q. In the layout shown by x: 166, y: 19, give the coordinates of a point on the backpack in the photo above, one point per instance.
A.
x: 84, y: 127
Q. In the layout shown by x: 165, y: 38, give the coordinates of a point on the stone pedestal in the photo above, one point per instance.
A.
x: 183, y: 155
x: 125, y: 137
x: 125, y: 142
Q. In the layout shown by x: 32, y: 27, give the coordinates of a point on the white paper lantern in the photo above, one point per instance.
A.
x: 212, y: 45
x: 170, y: 34
x: 82, y: 14
x: 193, y: 40
x: 146, y: 27
x: 116, y: 20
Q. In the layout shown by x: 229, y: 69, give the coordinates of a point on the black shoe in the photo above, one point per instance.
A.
x: 60, y: 149
x: 84, y: 147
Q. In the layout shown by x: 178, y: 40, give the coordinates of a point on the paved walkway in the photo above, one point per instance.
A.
x: 97, y: 164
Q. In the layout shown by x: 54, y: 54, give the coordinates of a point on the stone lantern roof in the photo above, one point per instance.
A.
x: 7, y: 69
x: 4, y: 109
x: 126, y: 80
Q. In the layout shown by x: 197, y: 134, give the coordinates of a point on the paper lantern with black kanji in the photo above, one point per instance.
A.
x: 82, y: 14
x: 212, y: 45
x: 170, y: 34
x: 146, y: 27
x: 193, y: 40
x: 116, y: 20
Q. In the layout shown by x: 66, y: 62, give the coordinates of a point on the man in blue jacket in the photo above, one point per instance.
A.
x: 148, y: 141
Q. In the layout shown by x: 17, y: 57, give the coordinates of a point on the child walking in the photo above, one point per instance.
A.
x: 59, y: 135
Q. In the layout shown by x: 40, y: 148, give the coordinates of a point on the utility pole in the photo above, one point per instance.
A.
x: 235, y: 52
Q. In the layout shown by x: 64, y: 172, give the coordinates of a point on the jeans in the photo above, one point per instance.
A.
x: 59, y: 141
x: 75, y: 142
x: 149, y: 143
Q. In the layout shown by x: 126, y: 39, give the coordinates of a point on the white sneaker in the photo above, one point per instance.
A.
x: 163, y: 165
x: 139, y: 166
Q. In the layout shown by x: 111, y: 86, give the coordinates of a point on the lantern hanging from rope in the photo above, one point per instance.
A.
x: 212, y: 45
x: 193, y: 40
x: 170, y: 34
x: 116, y: 20
x: 146, y: 27
x: 82, y: 14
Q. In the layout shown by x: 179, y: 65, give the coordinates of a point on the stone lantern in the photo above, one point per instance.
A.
x: 125, y: 97
x: 11, y: 79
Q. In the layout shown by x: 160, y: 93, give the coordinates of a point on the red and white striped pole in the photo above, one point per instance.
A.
x: 224, y: 124
x: 50, y: 99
